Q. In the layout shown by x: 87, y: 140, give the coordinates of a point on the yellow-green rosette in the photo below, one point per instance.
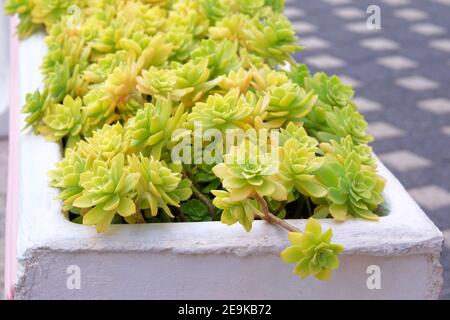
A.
x: 312, y: 252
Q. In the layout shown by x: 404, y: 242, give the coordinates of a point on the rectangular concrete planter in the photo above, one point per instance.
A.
x: 201, y: 260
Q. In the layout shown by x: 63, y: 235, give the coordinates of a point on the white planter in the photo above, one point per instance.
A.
x: 206, y: 260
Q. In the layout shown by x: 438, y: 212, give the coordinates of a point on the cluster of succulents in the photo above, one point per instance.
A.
x: 122, y: 78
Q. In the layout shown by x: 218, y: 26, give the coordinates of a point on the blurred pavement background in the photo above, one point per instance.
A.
x: 401, y: 74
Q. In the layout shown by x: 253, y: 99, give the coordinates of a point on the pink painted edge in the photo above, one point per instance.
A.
x: 12, y: 199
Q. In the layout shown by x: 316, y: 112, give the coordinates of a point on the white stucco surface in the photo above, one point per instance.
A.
x: 206, y: 260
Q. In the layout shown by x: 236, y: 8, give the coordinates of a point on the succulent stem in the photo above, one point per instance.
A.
x: 200, y: 196
x: 271, y: 218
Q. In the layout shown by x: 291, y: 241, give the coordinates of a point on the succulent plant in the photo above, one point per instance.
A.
x: 222, y: 112
x: 222, y: 56
x: 105, y: 144
x: 265, y: 79
x: 298, y: 73
x: 313, y: 252
x: 158, y: 83
x: 237, y: 79
x: 298, y: 167
x: 120, y: 79
x: 107, y: 190
x: 23, y: 8
x: 332, y: 123
x: 195, y: 210
x: 230, y: 28
x: 63, y: 120
x: 192, y: 80
x: 151, y: 129
x: 215, y: 9
x: 272, y: 38
x: 297, y: 132
x: 234, y: 211
x: 330, y: 90
x: 353, y: 189
x: 250, y: 7
x: 288, y: 102
x: 158, y: 186
x: 66, y: 176
x: 247, y: 170
x: 36, y: 104
x: 340, y: 150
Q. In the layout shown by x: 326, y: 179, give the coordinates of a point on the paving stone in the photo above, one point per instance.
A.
x: 349, y: 13
x: 446, y: 130
x: 360, y: 27
x: 293, y: 12
x: 313, y: 43
x: 383, y: 130
x: 428, y: 29
x: 441, y: 44
x: 397, y: 62
x: 379, y: 44
x: 417, y: 83
x: 337, y: 2
x: 404, y: 160
x: 325, y: 61
x: 366, y: 105
x: 411, y: 14
x: 431, y: 197
x: 304, y: 27
x: 351, y: 81
x: 436, y: 105
x: 396, y: 3
x: 444, y: 2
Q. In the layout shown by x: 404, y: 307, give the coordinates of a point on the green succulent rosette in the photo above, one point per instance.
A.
x: 288, y: 102
x: 296, y: 131
x: 298, y: 73
x: 192, y: 80
x: 66, y: 176
x: 250, y: 7
x: 332, y: 123
x: 231, y: 111
x: 272, y: 38
x: 158, y: 83
x: 222, y: 56
x: 105, y: 144
x: 345, y: 146
x: 298, y: 167
x: 230, y: 28
x: 35, y: 106
x: 312, y: 252
x: 159, y: 186
x: 242, y: 212
x: 151, y: 129
x: 330, y: 90
x: 265, y: 79
x: 240, y: 79
x: 248, y: 170
x: 353, y: 189
x: 63, y: 120
x: 216, y: 9
x: 107, y: 190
